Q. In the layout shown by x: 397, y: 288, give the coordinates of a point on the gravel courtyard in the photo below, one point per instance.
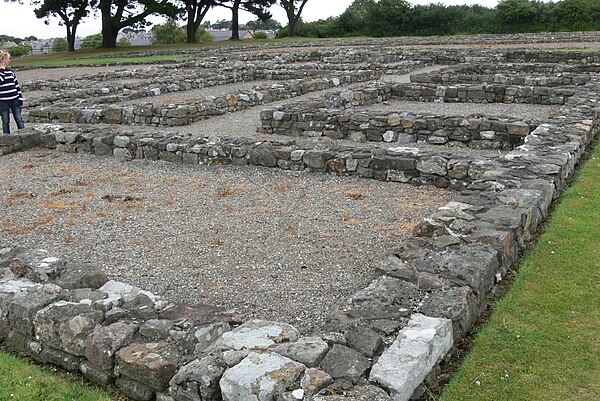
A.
x: 277, y: 245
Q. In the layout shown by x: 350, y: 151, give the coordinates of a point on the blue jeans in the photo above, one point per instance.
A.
x: 6, y: 106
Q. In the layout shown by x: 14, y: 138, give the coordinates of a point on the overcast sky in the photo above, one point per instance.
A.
x: 18, y: 20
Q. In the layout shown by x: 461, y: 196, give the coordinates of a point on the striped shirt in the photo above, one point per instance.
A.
x: 9, y: 86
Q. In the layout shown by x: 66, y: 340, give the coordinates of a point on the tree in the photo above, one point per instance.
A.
x: 221, y: 24
x: 92, y: 41
x: 352, y: 21
x: 256, y: 7
x: 19, y: 50
x: 293, y: 9
x: 517, y: 14
x: 60, y: 45
x: 71, y: 12
x: 576, y: 14
x: 196, y: 11
x: 168, y: 33
x: 387, y: 17
x: 268, y: 25
x: 7, y: 38
x: 118, y: 14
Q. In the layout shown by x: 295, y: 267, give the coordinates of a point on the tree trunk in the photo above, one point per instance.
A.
x: 71, y: 38
x: 109, y: 37
x: 235, y: 23
x: 293, y: 15
x: 191, y: 30
x: 292, y: 27
x: 109, y: 30
x: 196, y: 14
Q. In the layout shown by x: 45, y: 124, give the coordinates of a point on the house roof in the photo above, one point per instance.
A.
x: 226, y: 35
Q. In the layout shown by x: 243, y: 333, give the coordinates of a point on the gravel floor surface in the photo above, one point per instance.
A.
x: 517, y: 110
x: 271, y: 244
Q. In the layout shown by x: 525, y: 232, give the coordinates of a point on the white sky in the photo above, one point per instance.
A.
x: 18, y: 20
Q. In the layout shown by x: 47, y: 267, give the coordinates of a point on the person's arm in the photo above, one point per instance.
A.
x: 2, y: 75
x: 18, y: 89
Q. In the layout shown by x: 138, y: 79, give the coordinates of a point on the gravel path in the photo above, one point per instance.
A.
x: 518, y: 110
x: 62, y: 72
x: 272, y: 244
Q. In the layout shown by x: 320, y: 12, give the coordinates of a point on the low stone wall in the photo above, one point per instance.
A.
x: 548, y: 56
x: 483, y: 93
x: 105, y: 87
x: 400, y: 164
x: 190, y: 111
x: 115, y: 92
x: 71, y: 315
x: 513, y: 77
x: 478, y: 132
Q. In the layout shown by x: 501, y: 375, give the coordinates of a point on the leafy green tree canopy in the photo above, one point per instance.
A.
x: 517, y: 12
x: 92, y: 41
x: 19, y: 50
x: 60, y: 45
x: 168, y: 33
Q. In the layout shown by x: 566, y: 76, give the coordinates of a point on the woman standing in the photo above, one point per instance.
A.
x: 11, y: 98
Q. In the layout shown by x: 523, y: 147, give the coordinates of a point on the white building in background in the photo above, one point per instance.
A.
x: 244, y: 34
x: 136, y: 38
x: 43, y: 46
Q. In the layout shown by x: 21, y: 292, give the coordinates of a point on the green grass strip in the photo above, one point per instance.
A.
x: 128, y: 54
x: 542, y: 341
x: 64, y: 62
x: 21, y: 380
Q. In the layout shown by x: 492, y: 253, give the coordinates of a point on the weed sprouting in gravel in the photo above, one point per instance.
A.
x: 357, y: 195
x: 227, y: 190
x: 282, y: 186
x: 216, y: 239
x: 292, y: 229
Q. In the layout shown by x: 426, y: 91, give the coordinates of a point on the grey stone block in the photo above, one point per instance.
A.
x: 419, y: 346
x: 343, y: 362
x: 153, y: 364
x: 66, y: 325
x: 22, y: 310
x: 260, y: 376
x: 134, y: 389
x: 307, y: 350
x: 198, y: 380
x: 102, y: 344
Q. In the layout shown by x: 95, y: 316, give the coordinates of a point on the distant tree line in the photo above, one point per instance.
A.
x: 120, y: 14
x: 362, y: 18
x: 400, y: 18
x: 7, y: 38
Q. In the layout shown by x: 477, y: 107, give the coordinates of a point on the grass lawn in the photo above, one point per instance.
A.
x: 542, y: 341
x: 23, y: 381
